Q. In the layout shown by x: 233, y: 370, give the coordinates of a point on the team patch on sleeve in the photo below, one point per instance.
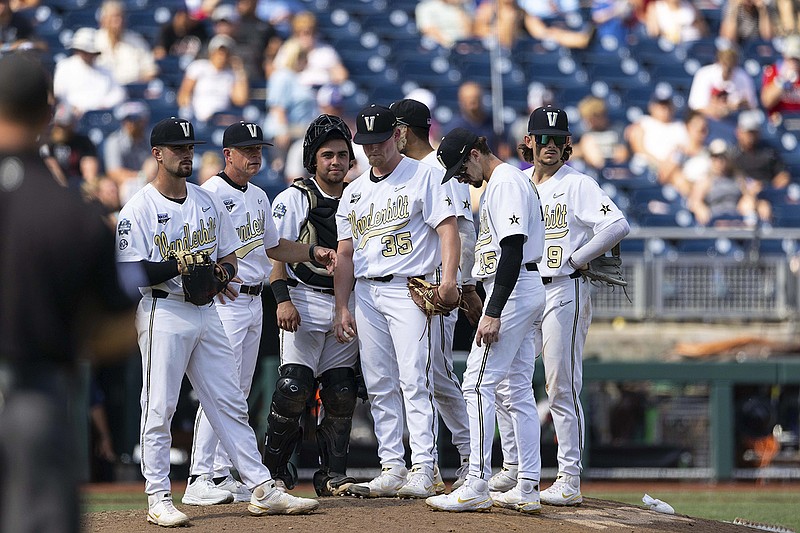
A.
x: 605, y: 209
x: 163, y: 218
x: 124, y: 227
x: 279, y: 211
x: 229, y: 204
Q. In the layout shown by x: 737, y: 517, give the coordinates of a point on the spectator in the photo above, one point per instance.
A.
x: 210, y: 165
x: 292, y: 105
x: 127, y: 150
x: 323, y: 64
x: 745, y: 20
x: 182, y: 36
x: 257, y: 40
x: 472, y: 115
x: 678, y: 21
x: 212, y: 85
x: 444, y: 21
x: 15, y: 30
x: 106, y: 193
x: 760, y: 164
x: 722, y: 89
x: 788, y: 16
x: 780, y: 89
x: 279, y: 14
x: 501, y: 19
x: 720, y: 199
x: 75, y: 153
x: 600, y: 142
x: 615, y: 18
x: 80, y: 82
x: 555, y: 20
x: 657, y: 135
x: 690, y: 162
x: 125, y: 53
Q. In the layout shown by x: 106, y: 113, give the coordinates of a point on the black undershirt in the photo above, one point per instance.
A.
x: 507, y: 274
x: 230, y: 182
x: 377, y: 179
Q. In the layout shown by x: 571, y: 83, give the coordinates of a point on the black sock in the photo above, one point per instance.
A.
x: 218, y: 480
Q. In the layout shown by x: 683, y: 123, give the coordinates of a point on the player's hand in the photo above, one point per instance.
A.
x: 472, y: 303
x: 229, y: 291
x: 288, y: 316
x: 344, y: 326
x: 488, y: 331
x: 325, y: 256
x: 448, y: 292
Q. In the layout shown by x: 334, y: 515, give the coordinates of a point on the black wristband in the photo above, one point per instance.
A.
x: 229, y: 268
x: 311, y: 252
x: 281, y: 290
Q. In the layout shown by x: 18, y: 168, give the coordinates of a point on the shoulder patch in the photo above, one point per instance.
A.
x: 163, y: 218
x: 229, y: 204
x: 355, y: 197
x: 124, y: 226
x: 279, y: 211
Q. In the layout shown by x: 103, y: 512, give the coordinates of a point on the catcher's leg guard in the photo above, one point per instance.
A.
x: 284, y: 432
x: 338, y: 395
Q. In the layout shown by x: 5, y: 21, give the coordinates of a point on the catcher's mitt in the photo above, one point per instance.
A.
x: 202, y: 278
x: 426, y: 296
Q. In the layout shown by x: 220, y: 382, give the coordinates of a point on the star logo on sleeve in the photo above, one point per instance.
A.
x: 448, y: 200
x: 514, y: 219
x: 466, y: 204
x: 605, y: 209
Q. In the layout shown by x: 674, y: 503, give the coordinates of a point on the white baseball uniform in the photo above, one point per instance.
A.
x: 510, y: 206
x: 177, y: 337
x: 314, y: 343
x: 575, y: 208
x: 392, y: 225
x: 446, y: 386
x: 241, y: 318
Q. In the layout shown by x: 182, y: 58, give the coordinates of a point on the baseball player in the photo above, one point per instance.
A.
x: 310, y: 353
x: 509, y: 246
x: 394, y: 223
x: 177, y: 337
x: 414, y: 122
x: 249, y: 209
x: 581, y: 223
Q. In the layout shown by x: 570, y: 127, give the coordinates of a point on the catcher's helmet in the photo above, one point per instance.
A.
x: 321, y: 129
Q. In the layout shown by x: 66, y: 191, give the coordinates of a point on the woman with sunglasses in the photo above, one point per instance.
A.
x: 581, y: 223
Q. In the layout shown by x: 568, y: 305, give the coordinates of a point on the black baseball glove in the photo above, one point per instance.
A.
x: 202, y: 278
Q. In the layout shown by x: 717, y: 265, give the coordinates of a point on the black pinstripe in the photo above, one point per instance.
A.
x: 481, y: 436
x: 428, y: 364
x: 575, y: 397
x: 147, y: 379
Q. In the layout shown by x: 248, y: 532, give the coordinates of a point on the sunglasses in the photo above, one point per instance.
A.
x: 544, y: 140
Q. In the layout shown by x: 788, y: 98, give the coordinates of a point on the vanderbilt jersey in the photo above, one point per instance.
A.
x: 575, y: 208
x: 392, y: 222
x: 457, y: 192
x: 250, y: 212
x: 150, y: 226
x: 510, y: 206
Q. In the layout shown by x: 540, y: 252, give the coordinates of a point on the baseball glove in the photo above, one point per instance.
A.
x: 426, y: 296
x: 202, y: 278
x: 605, y: 270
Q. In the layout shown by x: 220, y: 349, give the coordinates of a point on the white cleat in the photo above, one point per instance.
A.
x: 565, y: 491
x: 161, y: 511
x: 202, y: 491
x: 240, y: 492
x: 438, y: 483
x: 524, y: 497
x: 505, y: 479
x: 386, y: 485
x: 472, y: 496
x: 268, y: 500
x: 461, y: 473
x: 419, y: 484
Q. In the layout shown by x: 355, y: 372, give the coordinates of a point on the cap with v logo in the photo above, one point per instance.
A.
x: 173, y: 132
x: 548, y: 120
x: 374, y: 125
x: 454, y: 150
x: 242, y: 134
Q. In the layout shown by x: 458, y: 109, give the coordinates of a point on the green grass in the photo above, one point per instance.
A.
x: 768, y: 507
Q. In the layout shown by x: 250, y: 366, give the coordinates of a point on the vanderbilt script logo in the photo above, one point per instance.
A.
x: 555, y: 221
x: 199, y: 238
x: 379, y: 221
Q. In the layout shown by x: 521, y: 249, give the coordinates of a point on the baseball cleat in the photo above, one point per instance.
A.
x: 438, y: 483
x: 240, y: 492
x: 202, y: 491
x: 161, y: 511
x: 565, y: 491
x: 268, y: 500
x: 505, y: 479
x: 419, y: 484
x: 461, y: 474
x: 386, y: 485
x: 524, y: 497
x: 472, y: 496
x: 331, y: 483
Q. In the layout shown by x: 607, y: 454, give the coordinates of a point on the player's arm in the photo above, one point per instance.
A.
x: 230, y: 265
x: 295, y: 252
x: 450, y: 243
x: 602, y: 241
x: 469, y: 294
x: 287, y: 315
x: 344, y: 326
x: 504, y: 282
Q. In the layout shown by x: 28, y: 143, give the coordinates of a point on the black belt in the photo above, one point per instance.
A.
x: 294, y: 283
x: 158, y: 293
x: 531, y: 267
x: 386, y: 279
x: 548, y: 279
x: 252, y: 290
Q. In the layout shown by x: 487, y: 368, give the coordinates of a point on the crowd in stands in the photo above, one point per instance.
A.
x: 688, y: 111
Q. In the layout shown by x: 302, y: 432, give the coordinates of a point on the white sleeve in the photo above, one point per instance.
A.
x: 289, y: 213
x: 603, y: 241
x: 466, y: 230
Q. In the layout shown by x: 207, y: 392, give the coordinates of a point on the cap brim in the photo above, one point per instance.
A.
x: 252, y: 142
x: 451, y: 172
x: 372, y: 138
x: 179, y: 143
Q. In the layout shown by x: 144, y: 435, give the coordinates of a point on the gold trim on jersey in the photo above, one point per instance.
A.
x: 253, y: 227
x: 556, y: 235
x: 373, y: 224
x: 190, y: 239
x: 242, y: 252
x: 377, y: 232
x: 555, y: 219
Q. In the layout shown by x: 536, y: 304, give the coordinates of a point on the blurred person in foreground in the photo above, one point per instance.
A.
x: 75, y: 153
x: 77, y: 309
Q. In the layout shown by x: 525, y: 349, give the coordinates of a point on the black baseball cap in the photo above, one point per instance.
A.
x: 454, y: 150
x: 242, y: 134
x: 548, y: 120
x: 173, y: 132
x: 411, y: 113
x: 374, y: 125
